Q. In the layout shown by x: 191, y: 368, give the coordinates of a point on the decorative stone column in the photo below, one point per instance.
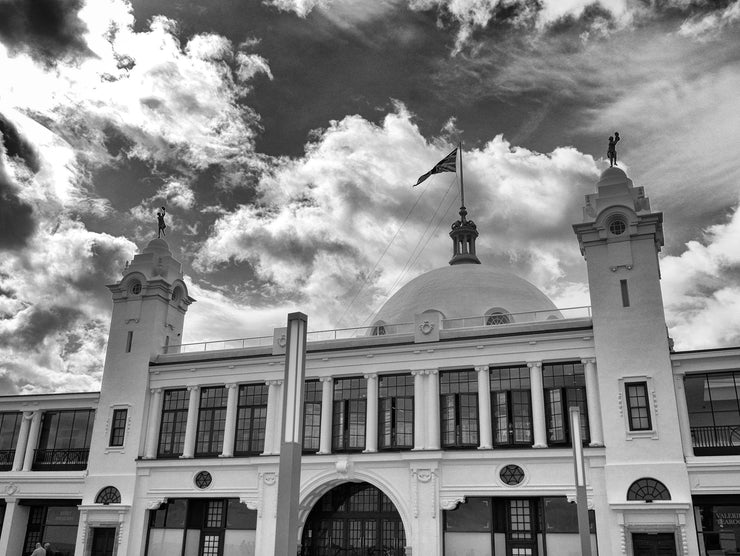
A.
x: 33, y: 440
x: 538, y: 404
x: 371, y: 424
x: 191, y: 427
x: 274, y: 415
x: 155, y: 418
x: 596, y: 431
x: 684, y: 424
x: 484, y: 408
x: 433, y: 440
x: 419, y: 407
x: 20, y: 445
x: 227, y: 451
x: 327, y: 402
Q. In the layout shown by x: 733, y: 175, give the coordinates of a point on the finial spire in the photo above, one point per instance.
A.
x: 464, y: 231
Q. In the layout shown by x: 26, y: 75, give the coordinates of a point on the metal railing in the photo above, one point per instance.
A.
x: 6, y: 459
x: 388, y: 329
x: 60, y: 460
x: 716, y: 440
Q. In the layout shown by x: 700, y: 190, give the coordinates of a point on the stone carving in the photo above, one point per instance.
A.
x: 155, y: 504
x: 426, y: 327
x: 12, y: 489
x: 450, y: 503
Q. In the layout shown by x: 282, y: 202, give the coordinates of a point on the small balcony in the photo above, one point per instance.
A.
x: 716, y: 440
x: 60, y: 460
x: 6, y: 459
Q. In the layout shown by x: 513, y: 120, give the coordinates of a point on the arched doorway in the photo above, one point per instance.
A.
x: 354, y: 519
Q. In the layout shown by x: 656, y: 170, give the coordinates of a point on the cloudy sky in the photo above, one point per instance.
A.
x: 283, y: 136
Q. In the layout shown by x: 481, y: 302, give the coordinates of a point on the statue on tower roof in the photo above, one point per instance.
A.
x: 611, y: 152
x: 160, y: 223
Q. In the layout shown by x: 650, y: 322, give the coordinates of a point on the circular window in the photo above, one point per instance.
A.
x: 648, y: 489
x: 136, y: 288
x: 203, y: 479
x: 176, y: 294
x: 617, y: 226
x: 512, y: 475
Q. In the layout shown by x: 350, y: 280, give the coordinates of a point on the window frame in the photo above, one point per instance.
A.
x: 400, y: 392
x: 631, y: 417
x: 313, y: 398
x: 624, y: 407
x: 502, y: 381
x: 569, y: 388
x: 179, y: 423
x: 209, y: 435
x: 454, y: 401
x: 345, y: 410
x: 118, y: 427
x: 250, y: 431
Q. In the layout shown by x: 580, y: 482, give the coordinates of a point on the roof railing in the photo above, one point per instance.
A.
x: 388, y: 329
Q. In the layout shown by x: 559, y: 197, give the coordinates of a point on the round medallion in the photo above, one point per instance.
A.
x: 136, y: 288
x: 203, y: 479
x: 512, y: 475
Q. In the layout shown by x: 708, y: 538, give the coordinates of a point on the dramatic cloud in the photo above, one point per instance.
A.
x: 701, y: 288
x: 48, y: 29
x: 324, y: 220
x: 16, y: 216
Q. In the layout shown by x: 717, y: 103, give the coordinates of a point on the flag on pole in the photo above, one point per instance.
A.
x: 447, y: 164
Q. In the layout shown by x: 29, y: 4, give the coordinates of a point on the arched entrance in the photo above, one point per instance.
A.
x: 354, y: 519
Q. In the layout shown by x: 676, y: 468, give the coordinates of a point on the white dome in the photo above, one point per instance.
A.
x: 466, y: 290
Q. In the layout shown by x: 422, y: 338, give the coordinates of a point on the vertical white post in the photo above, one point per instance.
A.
x: 580, y: 473
x: 272, y: 427
x: 419, y: 406
x: 188, y: 450
x: 327, y: 403
x: 684, y: 425
x: 538, y: 404
x: 289, y: 472
x: 20, y: 445
x: 155, y: 417
x: 592, y: 403
x: 227, y: 451
x: 33, y: 441
x: 371, y: 425
x: 484, y: 408
x: 433, y: 440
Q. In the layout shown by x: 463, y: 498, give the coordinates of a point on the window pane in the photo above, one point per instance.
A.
x: 251, y: 419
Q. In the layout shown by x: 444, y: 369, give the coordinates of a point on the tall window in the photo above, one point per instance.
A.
x: 64, y: 441
x: 174, y: 421
x: 638, y: 408
x: 251, y: 420
x: 713, y: 402
x: 118, y: 427
x: 348, y: 424
x: 209, y: 440
x: 565, y: 387
x: 459, y: 409
x: 396, y: 412
x: 312, y: 416
x: 511, y: 406
x: 10, y: 425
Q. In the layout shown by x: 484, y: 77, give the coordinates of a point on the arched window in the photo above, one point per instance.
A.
x: 109, y: 495
x: 379, y: 328
x: 647, y: 490
x: 497, y: 316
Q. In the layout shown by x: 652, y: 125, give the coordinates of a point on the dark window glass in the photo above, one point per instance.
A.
x: 713, y: 402
x: 312, y: 416
x: 53, y: 524
x: 209, y: 440
x: 251, y: 420
x: 473, y: 515
x: 396, y: 412
x: 109, y: 495
x: 565, y: 387
x: 638, y: 409
x: 118, y: 427
x: 348, y: 424
x: 174, y: 421
x: 10, y: 426
x: 511, y: 406
x: 238, y: 516
x: 648, y: 489
x: 459, y: 409
x: 66, y: 430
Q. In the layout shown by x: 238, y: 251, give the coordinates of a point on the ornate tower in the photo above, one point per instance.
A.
x: 620, y: 238
x: 149, y: 306
x: 464, y: 233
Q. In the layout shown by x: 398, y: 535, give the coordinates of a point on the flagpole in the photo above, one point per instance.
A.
x: 462, y: 191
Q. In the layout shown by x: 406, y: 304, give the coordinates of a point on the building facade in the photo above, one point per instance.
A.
x: 441, y: 429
